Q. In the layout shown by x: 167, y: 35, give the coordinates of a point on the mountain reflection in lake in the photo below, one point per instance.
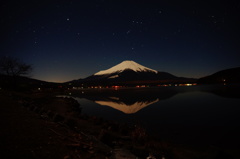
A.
x: 163, y: 105
x: 128, y: 101
x: 180, y: 113
x: 126, y: 108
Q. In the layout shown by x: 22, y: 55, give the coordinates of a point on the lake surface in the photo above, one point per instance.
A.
x: 209, y: 112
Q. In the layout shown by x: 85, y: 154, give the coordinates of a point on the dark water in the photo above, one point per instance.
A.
x: 181, y: 113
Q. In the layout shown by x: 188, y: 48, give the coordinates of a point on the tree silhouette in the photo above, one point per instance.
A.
x: 14, y: 67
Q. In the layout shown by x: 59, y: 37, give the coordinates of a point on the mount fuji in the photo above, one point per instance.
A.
x: 126, y: 65
x: 130, y: 73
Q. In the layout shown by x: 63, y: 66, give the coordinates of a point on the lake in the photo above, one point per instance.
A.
x: 207, y: 114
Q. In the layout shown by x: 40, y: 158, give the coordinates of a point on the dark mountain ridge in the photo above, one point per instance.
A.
x: 231, y: 75
x: 22, y: 83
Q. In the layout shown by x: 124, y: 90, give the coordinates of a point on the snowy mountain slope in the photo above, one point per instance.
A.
x: 126, y: 65
x: 130, y: 72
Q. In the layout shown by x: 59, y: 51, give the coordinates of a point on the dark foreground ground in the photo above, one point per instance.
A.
x: 43, y: 126
x: 33, y: 127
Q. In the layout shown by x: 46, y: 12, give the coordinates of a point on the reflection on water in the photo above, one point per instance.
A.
x: 199, y: 115
x: 126, y: 108
x: 198, y: 105
x: 130, y: 101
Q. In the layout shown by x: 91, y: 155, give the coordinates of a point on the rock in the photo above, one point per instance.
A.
x: 123, y: 154
x: 50, y: 114
x: 71, y: 123
x: 58, y: 118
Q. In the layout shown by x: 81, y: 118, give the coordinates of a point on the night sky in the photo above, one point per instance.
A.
x: 66, y: 40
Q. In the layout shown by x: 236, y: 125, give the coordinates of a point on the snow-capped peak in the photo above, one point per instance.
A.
x: 126, y: 65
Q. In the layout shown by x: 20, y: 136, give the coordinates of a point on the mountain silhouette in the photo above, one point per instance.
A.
x: 225, y: 76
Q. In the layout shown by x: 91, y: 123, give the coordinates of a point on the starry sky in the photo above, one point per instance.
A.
x: 67, y: 39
